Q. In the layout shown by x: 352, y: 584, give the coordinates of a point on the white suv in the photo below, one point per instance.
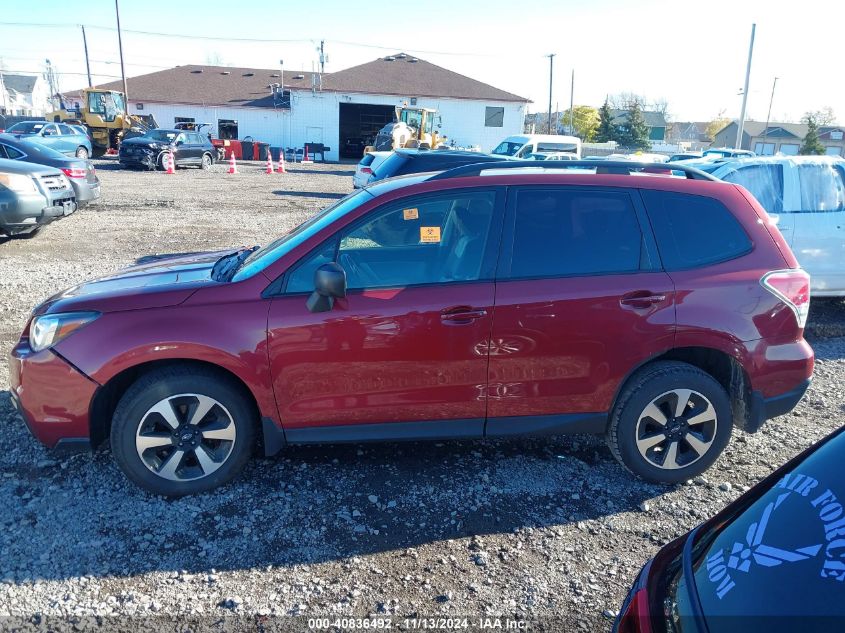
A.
x: 805, y: 195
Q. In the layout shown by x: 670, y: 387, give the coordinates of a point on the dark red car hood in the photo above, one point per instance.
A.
x: 156, y: 282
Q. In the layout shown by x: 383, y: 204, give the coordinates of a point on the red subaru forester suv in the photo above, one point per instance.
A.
x: 486, y: 301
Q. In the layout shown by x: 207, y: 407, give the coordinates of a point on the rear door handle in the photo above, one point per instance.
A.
x: 461, y: 314
x: 641, y: 299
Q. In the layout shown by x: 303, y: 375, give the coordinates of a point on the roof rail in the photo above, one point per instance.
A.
x: 625, y: 168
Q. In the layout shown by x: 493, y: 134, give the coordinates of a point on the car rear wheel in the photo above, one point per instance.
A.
x: 82, y: 152
x: 206, y: 161
x: 182, y: 430
x: 671, y: 422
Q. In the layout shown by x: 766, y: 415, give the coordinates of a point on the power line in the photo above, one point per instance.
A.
x: 56, y: 72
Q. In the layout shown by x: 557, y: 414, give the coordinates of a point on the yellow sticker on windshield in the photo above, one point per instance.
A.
x: 429, y: 234
x: 411, y: 214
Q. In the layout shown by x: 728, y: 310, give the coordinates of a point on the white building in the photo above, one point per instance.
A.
x: 340, y: 110
x: 24, y: 95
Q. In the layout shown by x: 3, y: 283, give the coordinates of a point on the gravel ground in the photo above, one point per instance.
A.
x: 526, y: 529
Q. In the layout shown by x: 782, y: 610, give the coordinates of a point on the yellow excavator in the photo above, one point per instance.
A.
x: 412, y: 127
x: 103, y: 113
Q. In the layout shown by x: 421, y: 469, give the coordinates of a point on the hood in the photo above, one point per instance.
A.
x: 159, y: 281
x: 142, y: 141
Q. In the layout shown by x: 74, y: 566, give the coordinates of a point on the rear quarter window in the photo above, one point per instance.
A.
x: 694, y: 231
x: 765, y: 182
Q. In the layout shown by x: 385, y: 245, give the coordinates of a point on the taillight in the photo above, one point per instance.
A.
x: 791, y: 286
x: 366, y: 170
x: 636, y: 619
x: 75, y: 172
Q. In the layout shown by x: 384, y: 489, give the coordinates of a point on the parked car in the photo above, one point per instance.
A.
x: 805, y: 197
x: 151, y: 149
x: 486, y: 301
x: 551, y: 156
x: 520, y: 145
x: 80, y: 171
x: 58, y: 136
x: 32, y: 196
x: 772, y: 561
x: 365, y: 168
x: 403, y: 162
x: 685, y: 156
x: 727, y: 152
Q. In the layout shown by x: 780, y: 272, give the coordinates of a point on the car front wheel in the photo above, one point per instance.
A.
x: 671, y: 422
x: 182, y: 430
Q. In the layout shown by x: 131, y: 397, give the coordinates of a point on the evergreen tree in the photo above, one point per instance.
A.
x: 812, y: 144
x: 634, y: 134
x: 607, y: 130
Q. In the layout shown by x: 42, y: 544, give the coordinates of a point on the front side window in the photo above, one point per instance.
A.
x: 765, y: 182
x: 558, y: 233
x: 507, y: 148
x: 436, y: 239
x: 694, y: 231
x: 822, y: 187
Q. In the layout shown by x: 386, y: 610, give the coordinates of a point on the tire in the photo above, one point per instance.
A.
x: 161, y: 165
x: 82, y: 152
x: 643, y: 442
x: 206, y: 162
x: 175, y: 394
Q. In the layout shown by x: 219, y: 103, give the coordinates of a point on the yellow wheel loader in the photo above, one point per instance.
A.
x: 103, y: 113
x: 412, y: 127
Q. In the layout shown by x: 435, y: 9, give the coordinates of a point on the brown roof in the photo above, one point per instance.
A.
x: 403, y: 76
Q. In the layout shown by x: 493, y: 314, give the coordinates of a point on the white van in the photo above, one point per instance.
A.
x: 520, y: 145
x: 805, y: 196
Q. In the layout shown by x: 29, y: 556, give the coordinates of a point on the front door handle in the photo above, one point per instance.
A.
x: 641, y: 299
x: 461, y: 314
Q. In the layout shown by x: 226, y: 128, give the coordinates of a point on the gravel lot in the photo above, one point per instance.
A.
x: 526, y: 529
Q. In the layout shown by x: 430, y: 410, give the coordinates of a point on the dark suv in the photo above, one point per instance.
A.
x: 151, y: 149
x: 404, y: 162
x: 485, y: 301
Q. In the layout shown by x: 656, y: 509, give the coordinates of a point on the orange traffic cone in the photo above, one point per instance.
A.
x: 171, y: 164
x: 282, y: 162
x: 305, y: 159
x: 233, y: 167
x: 269, y: 169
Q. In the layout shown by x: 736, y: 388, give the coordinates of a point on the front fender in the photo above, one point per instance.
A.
x: 232, y: 336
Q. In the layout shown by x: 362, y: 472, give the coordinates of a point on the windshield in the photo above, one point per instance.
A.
x: 27, y: 127
x: 507, y: 148
x: 164, y: 136
x: 264, y: 257
x: 782, y: 555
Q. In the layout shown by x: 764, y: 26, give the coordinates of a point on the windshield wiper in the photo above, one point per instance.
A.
x: 225, y: 267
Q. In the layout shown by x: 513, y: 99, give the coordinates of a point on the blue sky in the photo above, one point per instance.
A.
x: 692, y: 55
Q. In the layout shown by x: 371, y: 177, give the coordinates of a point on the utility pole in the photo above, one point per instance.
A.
x: 122, y: 69
x: 551, y: 57
x: 769, y: 116
x: 572, y: 104
x: 87, y: 64
x: 322, y: 56
x: 741, y: 125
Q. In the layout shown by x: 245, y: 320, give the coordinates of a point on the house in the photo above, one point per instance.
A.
x: 655, y: 121
x: 24, y: 95
x: 779, y: 138
x: 342, y: 110
x: 688, y: 131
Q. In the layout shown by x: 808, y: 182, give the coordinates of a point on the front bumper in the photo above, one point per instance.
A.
x: 138, y: 159
x: 52, y: 396
x: 25, y: 213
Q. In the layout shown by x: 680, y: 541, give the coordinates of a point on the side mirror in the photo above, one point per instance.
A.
x: 329, y: 284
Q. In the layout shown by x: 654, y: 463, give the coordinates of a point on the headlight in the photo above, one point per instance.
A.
x: 49, y: 329
x: 19, y: 183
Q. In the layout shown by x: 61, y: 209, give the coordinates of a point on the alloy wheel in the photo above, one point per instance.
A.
x: 676, y: 429
x: 185, y: 437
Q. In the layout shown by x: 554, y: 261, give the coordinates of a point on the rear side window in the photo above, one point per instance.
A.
x: 765, y: 182
x: 391, y: 166
x: 367, y: 160
x: 10, y: 152
x: 822, y: 188
x: 559, y: 233
x: 694, y: 231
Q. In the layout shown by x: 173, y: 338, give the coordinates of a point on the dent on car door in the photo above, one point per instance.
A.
x: 819, y: 242
x: 580, y: 301
x: 408, y: 344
